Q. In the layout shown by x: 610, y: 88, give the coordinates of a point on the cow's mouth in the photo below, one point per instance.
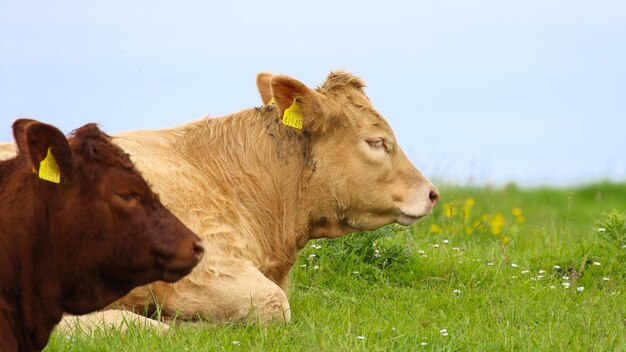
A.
x: 175, y: 265
x: 171, y: 275
x: 408, y: 219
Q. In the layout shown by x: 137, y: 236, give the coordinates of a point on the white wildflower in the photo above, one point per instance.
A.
x: 541, y: 272
x: 514, y: 265
x: 566, y: 285
x: 525, y: 271
x: 445, y: 241
x: 316, y: 267
x: 376, y: 253
x: 423, y: 343
x: 556, y: 267
x: 312, y: 255
x: 580, y: 289
x: 605, y: 279
x: 360, y: 337
x: 443, y: 332
x: 490, y: 264
x: 456, y: 291
x: 597, y: 263
x: 436, y: 245
x: 236, y: 343
x: 601, y: 229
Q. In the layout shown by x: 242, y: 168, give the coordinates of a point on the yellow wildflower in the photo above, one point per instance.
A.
x: 436, y: 229
x: 467, y: 207
x: 448, y: 210
x: 519, y: 217
x: 496, y: 223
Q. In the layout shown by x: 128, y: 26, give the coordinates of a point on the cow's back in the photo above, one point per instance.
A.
x: 7, y: 150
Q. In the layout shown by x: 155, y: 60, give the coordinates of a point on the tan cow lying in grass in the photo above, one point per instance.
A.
x: 256, y: 191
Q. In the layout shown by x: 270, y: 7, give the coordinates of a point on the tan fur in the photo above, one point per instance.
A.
x: 256, y: 191
x: 118, y: 319
x: 7, y: 150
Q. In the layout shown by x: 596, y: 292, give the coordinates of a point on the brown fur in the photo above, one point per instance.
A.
x: 78, y: 245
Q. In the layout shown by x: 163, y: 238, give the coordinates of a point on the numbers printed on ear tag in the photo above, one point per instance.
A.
x: 292, y: 116
x: 49, y: 169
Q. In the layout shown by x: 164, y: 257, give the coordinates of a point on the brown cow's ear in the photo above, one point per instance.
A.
x: 263, y: 85
x: 19, y: 133
x: 41, y: 142
x: 301, y: 104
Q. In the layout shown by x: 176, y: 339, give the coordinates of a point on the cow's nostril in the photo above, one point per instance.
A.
x: 198, y: 249
x: 433, y: 196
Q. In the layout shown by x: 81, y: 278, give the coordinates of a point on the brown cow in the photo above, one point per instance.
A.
x: 79, y: 228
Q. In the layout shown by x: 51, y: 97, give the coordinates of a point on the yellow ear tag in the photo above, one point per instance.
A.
x: 292, y: 116
x: 49, y: 169
x: 271, y: 102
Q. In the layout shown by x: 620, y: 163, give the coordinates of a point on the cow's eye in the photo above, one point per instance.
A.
x: 377, y: 144
x: 128, y: 196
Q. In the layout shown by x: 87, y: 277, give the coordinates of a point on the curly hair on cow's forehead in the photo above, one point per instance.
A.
x: 341, y: 79
x: 93, y: 144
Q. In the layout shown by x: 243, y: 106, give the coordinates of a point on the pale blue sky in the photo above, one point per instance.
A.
x: 490, y: 91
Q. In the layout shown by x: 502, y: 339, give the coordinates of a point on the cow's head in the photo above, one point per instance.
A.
x: 110, y: 232
x: 357, y: 159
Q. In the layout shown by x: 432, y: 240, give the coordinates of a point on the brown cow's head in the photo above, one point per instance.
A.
x: 358, y: 161
x: 109, y: 231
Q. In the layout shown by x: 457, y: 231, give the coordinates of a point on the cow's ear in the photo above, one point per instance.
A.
x: 45, y: 146
x: 299, y: 106
x: 263, y: 80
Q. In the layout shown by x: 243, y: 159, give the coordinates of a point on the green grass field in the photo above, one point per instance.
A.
x: 493, y: 269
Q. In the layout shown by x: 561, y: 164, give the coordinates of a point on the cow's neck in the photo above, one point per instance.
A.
x: 32, y: 275
x: 262, y: 168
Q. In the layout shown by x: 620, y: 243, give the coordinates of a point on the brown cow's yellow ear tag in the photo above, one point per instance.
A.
x: 271, y: 102
x: 292, y: 116
x: 49, y: 169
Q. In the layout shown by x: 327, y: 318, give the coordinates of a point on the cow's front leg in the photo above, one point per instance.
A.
x: 228, y: 290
